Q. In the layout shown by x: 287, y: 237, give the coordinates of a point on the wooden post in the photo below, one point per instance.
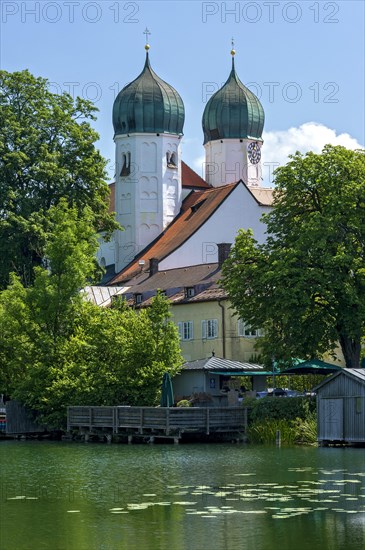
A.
x: 130, y: 439
x: 278, y: 438
x: 115, y: 423
x: 109, y: 439
x: 167, y: 421
x: 141, y: 421
x: 207, y: 420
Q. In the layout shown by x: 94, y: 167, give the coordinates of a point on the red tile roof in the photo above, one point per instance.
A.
x: 195, y: 211
x: 191, y: 179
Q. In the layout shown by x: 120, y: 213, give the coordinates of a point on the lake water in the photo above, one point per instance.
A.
x: 77, y: 496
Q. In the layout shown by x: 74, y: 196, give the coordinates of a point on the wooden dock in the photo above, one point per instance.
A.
x: 156, y: 422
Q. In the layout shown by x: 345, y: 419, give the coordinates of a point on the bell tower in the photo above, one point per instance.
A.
x: 233, y: 122
x: 148, y: 119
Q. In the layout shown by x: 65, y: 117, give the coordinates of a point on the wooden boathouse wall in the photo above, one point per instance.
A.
x: 341, y: 407
x: 157, y: 421
x: 21, y: 420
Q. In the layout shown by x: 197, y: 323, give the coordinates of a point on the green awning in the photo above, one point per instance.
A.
x: 314, y: 366
x: 242, y: 373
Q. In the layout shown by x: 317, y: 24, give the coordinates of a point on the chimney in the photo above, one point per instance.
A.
x: 223, y: 252
x: 153, y: 266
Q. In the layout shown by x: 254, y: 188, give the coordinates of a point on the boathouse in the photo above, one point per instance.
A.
x: 341, y: 408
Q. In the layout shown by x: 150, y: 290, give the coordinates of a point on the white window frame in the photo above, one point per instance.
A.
x: 190, y: 291
x: 209, y: 329
x: 186, y: 330
x: 244, y: 330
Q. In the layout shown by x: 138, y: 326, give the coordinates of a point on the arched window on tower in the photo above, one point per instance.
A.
x: 126, y: 164
x: 171, y: 159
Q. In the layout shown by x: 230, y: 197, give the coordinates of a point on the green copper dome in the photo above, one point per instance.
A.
x: 148, y: 105
x: 233, y: 112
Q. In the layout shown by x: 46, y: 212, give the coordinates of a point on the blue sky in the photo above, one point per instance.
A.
x: 305, y: 60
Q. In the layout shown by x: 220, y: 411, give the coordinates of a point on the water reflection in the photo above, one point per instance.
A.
x: 77, y: 496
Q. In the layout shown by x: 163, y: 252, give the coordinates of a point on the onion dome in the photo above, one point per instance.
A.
x: 148, y: 105
x: 233, y: 112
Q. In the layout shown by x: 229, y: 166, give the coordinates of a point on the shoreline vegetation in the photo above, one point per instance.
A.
x: 295, y: 418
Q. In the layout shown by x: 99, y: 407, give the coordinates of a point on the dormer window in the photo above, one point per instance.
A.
x: 126, y: 164
x: 189, y: 292
x: 138, y: 298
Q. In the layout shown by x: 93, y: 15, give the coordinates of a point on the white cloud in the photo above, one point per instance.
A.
x: 310, y: 136
x: 198, y: 165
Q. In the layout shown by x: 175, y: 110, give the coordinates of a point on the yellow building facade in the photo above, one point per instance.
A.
x: 209, y: 328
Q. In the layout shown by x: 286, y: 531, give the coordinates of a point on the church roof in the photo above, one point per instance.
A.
x: 233, y: 112
x: 189, y: 178
x: 148, y: 105
x: 196, y: 209
x: 264, y: 196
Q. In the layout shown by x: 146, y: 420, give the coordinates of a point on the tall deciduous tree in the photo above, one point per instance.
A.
x: 57, y: 349
x: 306, y: 284
x: 47, y: 152
x: 36, y: 321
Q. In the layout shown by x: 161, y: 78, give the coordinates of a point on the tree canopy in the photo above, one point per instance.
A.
x: 47, y: 152
x: 57, y: 349
x: 305, y: 286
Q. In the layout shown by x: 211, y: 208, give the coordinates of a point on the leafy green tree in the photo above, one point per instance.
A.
x: 47, y: 152
x: 58, y: 349
x: 306, y: 284
x: 36, y: 321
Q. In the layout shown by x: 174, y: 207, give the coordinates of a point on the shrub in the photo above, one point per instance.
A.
x: 285, y: 408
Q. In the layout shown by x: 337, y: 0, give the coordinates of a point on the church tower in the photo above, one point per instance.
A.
x: 233, y: 121
x: 148, y: 119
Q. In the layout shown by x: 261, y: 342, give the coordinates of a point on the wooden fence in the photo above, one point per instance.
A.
x: 160, y: 421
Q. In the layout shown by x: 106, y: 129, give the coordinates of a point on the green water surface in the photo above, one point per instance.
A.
x: 76, y: 496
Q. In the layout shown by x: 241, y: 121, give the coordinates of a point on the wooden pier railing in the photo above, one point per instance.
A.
x: 160, y: 421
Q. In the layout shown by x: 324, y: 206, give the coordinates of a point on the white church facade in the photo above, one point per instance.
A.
x: 179, y: 226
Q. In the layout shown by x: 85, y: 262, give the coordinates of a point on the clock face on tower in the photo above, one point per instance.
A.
x: 254, y: 152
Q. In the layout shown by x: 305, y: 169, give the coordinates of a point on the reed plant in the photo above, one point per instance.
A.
x: 293, y: 432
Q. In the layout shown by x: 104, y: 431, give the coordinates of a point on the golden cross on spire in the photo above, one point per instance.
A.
x: 233, y: 51
x: 147, y: 32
